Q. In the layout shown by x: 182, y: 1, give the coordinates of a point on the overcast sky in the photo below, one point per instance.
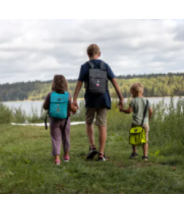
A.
x: 39, y: 49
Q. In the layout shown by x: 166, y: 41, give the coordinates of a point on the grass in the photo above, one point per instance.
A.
x: 26, y: 165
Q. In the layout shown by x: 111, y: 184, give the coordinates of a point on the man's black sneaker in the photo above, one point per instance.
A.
x: 134, y: 155
x: 102, y: 157
x: 92, y: 152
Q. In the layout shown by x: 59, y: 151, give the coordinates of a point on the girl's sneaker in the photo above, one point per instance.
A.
x: 58, y: 162
x: 134, y: 155
x: 145, y: 158
x: 66, y: 158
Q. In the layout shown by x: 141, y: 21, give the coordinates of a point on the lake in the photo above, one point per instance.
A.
x: 27, y: 106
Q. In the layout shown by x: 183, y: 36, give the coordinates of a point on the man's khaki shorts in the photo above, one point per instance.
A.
x: 101, y: 116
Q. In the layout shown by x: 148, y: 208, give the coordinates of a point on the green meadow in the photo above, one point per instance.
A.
x: 26, y: 165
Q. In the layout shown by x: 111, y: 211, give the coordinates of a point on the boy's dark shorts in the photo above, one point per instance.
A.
x: 101, y: 116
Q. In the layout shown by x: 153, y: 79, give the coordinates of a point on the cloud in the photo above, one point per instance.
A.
x: 38, y: 49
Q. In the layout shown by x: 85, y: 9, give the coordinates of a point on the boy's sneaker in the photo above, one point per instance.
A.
x: 145, y: 158
x: 92, y: 152
x: 102, y: 157
x: 134, y: 155
x: 66, y: 158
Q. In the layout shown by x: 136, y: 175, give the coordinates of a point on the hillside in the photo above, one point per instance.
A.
x: 155, y: 85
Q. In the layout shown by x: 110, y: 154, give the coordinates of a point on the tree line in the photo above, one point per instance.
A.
x: 155, y: 85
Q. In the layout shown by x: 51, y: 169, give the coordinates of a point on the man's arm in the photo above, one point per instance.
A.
x: 76, y: 93
x: 116, y: 86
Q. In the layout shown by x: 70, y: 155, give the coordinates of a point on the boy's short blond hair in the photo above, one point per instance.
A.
x: 136, y: 88
x: 92, y: 50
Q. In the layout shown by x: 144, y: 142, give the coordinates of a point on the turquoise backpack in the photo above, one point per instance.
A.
x: 58, y: 107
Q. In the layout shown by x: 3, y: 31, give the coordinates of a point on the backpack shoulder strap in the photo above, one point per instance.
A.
x: 45, y: 120
x: 91, y: 64
x: 145, y: 111
x: 102, y: 66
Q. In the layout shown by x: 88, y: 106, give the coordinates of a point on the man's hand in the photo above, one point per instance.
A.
x: 121, y: 104
x: 118, y: 91
x: 77, y: 90
x: 75, y: 104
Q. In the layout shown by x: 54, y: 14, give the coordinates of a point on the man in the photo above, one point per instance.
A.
x: 96, y: 101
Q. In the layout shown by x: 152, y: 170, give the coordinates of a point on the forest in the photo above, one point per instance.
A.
x: 155, y: 85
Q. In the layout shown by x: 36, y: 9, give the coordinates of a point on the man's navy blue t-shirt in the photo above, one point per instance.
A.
x: 96, y: 100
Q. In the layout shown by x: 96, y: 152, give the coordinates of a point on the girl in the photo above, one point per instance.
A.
x: 58, y: 127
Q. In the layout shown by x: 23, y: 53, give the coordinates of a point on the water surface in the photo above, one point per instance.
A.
x: 27, y: 106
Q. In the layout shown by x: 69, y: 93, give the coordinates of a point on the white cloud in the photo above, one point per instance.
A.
x: 38, y: 49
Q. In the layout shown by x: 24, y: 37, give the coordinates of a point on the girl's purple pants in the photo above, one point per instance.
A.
x: 58, y: 133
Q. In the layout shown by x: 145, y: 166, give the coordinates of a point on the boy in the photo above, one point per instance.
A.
x: 97, y: 103
x: 137, y: 105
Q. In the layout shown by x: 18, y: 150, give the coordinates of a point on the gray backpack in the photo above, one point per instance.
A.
x: 97, y: 82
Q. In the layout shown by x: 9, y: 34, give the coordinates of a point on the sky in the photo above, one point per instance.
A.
x: 38, y: 49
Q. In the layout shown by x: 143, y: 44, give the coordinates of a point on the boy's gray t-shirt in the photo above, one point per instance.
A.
x: 138, y: 104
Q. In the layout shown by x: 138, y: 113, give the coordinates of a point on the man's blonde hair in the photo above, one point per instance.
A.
x: 136, y: 88
x: 92, y: 50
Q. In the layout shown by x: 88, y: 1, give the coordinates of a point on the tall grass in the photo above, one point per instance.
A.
x: 167, y: 120
x: 35, y: 117
x: 5, y: 114
x: 166, y: 125
x: 166, y: 128
x: 18, y: 115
